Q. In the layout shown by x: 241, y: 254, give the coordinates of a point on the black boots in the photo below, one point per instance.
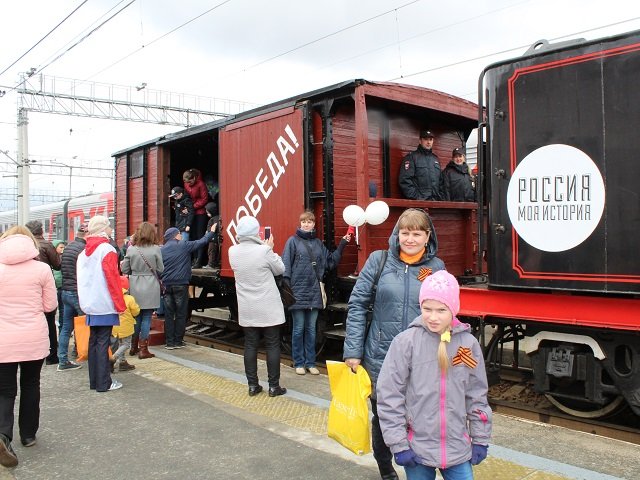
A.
x: 275, y: 391
x: 254, y: 390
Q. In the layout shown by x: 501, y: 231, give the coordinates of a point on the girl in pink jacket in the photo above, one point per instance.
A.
x: 28, y: 290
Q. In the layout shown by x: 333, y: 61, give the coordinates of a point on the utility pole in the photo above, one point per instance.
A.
x: 23, y: 166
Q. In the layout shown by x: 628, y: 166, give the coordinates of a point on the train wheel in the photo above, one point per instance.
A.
x: 585, y: 409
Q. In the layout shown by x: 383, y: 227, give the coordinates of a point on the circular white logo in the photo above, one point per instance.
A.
x: 555, y: 198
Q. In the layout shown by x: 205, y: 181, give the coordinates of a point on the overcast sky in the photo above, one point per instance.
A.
x: 256, y: 51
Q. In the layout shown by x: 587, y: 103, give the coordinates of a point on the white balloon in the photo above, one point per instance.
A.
x: 377, y: 212
x: 354, y: 215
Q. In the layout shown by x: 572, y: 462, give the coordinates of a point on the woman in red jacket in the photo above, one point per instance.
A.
x: 197, y: 190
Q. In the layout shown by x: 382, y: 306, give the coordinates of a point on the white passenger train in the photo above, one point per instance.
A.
x: 62, y: 219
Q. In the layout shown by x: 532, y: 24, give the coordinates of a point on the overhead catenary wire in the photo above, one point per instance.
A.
x: 512, y: 49
x: 40, y: 41
x: 159, y: 38
x: 84, y: 31
x: 323, y: 37
x: 67, y: 50
x: 87, y: 35
x: 418, y: 35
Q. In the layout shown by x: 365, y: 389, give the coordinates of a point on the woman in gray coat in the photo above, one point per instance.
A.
x: 411, y: 257
x: 143, y: 262
x: 260, y: 310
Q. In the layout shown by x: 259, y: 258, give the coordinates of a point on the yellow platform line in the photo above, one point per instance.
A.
x: 298, y: 414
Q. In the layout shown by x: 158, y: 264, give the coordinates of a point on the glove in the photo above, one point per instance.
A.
x: 406, y: 458
x: 478, y: 453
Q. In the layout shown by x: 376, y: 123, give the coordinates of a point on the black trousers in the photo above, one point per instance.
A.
x: 381, y: 452
x: 99, y: 366
x: 29, y: 410
x: 53, y: 337
x: 272, y: 345
x: 176, y: 309
x: 199, y: 228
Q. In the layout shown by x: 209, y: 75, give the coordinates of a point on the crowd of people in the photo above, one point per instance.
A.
x: 429, y: 396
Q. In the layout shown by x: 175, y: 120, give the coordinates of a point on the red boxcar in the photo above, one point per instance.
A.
x: 320, y: 150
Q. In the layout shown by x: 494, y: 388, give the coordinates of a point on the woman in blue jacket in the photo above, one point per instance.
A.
x: 411, y: 257
x: 306, y: 260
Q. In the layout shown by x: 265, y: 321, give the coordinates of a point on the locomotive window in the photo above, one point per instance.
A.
x: 136, y: 163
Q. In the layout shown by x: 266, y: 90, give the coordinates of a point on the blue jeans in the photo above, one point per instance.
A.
x: 160, y: 309
x: 71, y: 309
x: 303, y: 337
x: 143, y: 323
x: 185, y: 236
x: 462, y: 471
x: 176, y: 309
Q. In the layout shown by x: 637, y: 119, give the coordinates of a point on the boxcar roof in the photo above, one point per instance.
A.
x: 401, y: 93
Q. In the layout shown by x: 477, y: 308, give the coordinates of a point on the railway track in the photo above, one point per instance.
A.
x: 517, y: 399
x: 513, y: 395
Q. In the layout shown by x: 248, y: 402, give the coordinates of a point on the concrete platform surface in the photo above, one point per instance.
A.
x: 186, y: 414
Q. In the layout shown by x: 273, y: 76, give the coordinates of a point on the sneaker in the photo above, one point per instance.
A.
x: 115, y: 385
x: 181, y: 345
x: 171, y: 347
x: 68, y: 366
x: 313, y: 371
x: 300, y: 371
x: 8, y: 457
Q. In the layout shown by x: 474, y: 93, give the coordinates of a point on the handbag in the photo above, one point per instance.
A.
x: 163, y: 289
x: 314, y: 264
x: 348, y: 422
x: 286, y: 293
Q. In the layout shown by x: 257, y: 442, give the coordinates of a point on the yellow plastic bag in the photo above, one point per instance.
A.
x: 349, y: 422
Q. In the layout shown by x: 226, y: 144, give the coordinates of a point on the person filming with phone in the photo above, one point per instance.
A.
x: 306, y: 260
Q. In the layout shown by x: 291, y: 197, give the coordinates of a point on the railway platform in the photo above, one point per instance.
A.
x: 186, y: 414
